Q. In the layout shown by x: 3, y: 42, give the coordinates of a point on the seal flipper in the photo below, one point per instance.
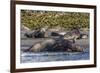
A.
x: 28, y: 50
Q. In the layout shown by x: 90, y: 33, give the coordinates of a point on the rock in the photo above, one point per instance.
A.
x: 24, y: 28
x: 62, y: 33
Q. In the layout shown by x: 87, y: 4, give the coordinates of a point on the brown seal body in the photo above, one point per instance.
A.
x: 59, y: 45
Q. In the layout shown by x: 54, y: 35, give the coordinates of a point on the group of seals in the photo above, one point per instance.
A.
x: 63, y: 43
x: 42, y: 33
x: 55, y: 45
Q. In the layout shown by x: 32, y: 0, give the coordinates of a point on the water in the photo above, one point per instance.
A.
x: 30, y: 57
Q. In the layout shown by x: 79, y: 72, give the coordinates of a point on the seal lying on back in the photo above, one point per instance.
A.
x: 55, y: 45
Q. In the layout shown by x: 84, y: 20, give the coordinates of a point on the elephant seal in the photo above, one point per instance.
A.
x: 35, y: 34
x: 77, y: 48
x: 74, y: 33
x: 42, y: 46
x: 55, y: 45
x: 66, y: 45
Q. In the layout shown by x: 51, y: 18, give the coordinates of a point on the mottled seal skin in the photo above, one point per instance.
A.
x: 71, y: 35
x: 35, y: 34
x: 77, y: 48
x: 58, y: 45
x: 42, y: 46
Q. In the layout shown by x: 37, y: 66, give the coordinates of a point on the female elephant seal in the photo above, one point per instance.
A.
x: 42, y: 46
